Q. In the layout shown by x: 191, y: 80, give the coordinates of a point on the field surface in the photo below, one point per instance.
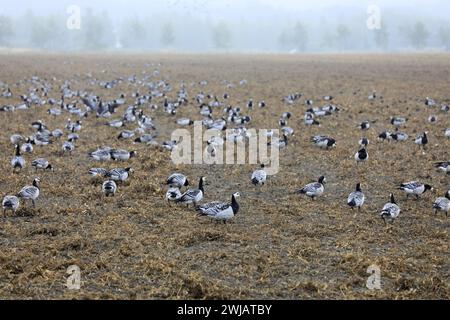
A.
x: 281, y: 245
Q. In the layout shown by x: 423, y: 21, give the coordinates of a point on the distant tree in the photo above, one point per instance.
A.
x: 381, y: 37
x: 97, y: 31
x: 418, y: 35
x: 44, y: 32
x: 300, y: 37
x: 342, y: 36
x: 221, y: 36
x: 283, y: 39
x: 167, y: 35
x: 133, y: 33
x: 6, y: 30
x: 444, y: 37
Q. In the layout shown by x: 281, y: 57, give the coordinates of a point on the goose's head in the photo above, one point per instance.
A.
x: 36, y: 182
x: 236, y: 194
x: 322, y: 180
x: 392, y: 198
x: 447, y: 194
x: 133, y: 154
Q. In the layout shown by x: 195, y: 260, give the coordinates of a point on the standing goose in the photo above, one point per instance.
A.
x: 109, y: 188
x: 314, y: 189
x: 259, y: 176
x: 68, y: 146
x: 177, y: 180
x: 422, y: 139
x: 42, y: 163
x: 220, y: 211
x: 356, y: 198
x: 10, y: 203
x: 119, y: 174
x: 193, y: 195
x: 414, y: 188
x: 390, y: 210
x: 442, y: 204
x: 30, y: 192
x: 17, y: 162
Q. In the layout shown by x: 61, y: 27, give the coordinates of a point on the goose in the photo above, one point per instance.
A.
x: 414, y: 188
x: 73, y: 137
x: 385, y: 135
x: 146, y: 138
x: 432, y: 119
x: 398, y: 121
x: 286, y: 115
x: 399, y: 136
x: 309, y: 102
x: 445, y: 108
x: 17, y: 162
x: 7, y: 93
x: 287, y: 131
x: 259, y: 176
x: 97, y: 172
x: 184, y: 122
x: 447, y: 133
x: 327, y: 98
x: 116, y: 123
x: 193, y: 195
x: 68, y: 146
x: 102, y: 154
x: 356, y: 198
x: 443, y: 166
x: 365, y: 125
x: 361, y: 155
x: 422, y: 139
x: 42, y: 164
x: 54, y: 112
x: 170, y: 145
x: 442, y: 204
x: 323, y: 141
x: 177, y: 180
x: 126, y: 134
x: 364, y: 142
x: 109, y: 188
x: 262, y: 104
x: 30, y: 192
x: 16, y: 139
x: 10, y: 203
x: 250, y: 104
x: 57, y: 133
x: 119, y: 174
x: 220, y: 211
x: 390, y: 210
x: 309, y: 119
x: 279, y: 143
x: 173, y: 194
x: 430, y: 102
x: 122, y: 155
x: 314, y: 189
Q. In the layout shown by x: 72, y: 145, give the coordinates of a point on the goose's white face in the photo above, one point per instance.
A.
x: 236, y: 194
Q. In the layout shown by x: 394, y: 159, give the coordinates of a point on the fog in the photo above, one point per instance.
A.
x: 267, y: 26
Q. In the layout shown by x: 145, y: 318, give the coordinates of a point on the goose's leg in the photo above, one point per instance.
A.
x: 34, y: 203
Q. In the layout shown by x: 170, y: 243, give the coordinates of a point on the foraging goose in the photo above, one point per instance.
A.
x: 30, y: 192
x: 414, y: 188
x: 193, y: 195
x: 119, y: 174
x: 122, y: 155
x: 97, y: 172
x: 398, y: 121
x: 10, y: 203
x: 173, y: 194
x: 323, y: 141
x: 177, y: 180
x: 385, y: 135
x: 279, y: 143
x: 361, y: 155
x: 57, y: 133
x: 109, y: 188
x: 68, y: 146
x: 185, y: 122
x: 42, y: 164
x: 364, y: 142
x: 309, y: 119
x: 259, y: 176
x: 399, y: 136
x: 443, y: 166
x: 118, y: 123
x: 102, y: 154
x: 445, y: 107
x: 356, y: 198
x: 442, y: 204
x: 146, y: 138
x: 27, y: 147
x: 17, y: 162
x: 390, y: 210
x: 170, y: 145
x: 422, y: 139
x: 220, y: 211
x: 314, y: 189
x: 126, y: 134
x: 54, y: 112
x: 16, y: 139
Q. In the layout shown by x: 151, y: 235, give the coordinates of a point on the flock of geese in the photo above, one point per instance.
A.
x: 140, y: 128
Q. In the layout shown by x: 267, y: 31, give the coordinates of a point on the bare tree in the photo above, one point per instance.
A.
x: 381, y: 37
x: 221, y: 36
x: 418, y: 35
x: 6, y: 30
x: 444, y: 36
x: 342, y: 36
x: 167, y: 35
x: 300, y: 37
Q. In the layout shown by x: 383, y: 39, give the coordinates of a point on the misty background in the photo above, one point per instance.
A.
x: 226, y: 25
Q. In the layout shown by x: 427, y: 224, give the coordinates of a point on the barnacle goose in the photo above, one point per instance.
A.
x: 42, y: 164
x: 361, y: 155
x: 323, y: 141
x: 173, y: 194
x: 279, y: 143
x: 364, y: 142
x: 97, y: 172
x: 430, y: 102
x: 422, y: 139
x: 185, y: 122
x: 442, y: 204
x: 443, y: 166
x: 54, y: 112
x: 145, y: 138
x: 314, y: 189
x: 109, y: 188
x: 170, y: 145
x: 10, y: 203
x: 356, y: 198
x: 57, y: 133
x: 118, y: 123
x: 193, y: 195
x: 30, y: 192
x: 68, y: 146
x: 102, y: 154
x: 385, y: 135
x: 447, y: 133
x: 122, y: 155
x: 398, y: 121
x: 119, y: 174
x: 390, y: 210
x: 309, y: 119
x: 287, y: 131
x: 414, y: 188
x: 126, y: 134
x: 432, y: 119
x: 177, y: 180
x: 399, y: 136
x: 17, y: 162
x: 16, y: 139
x: 365, y: 125
x: 259, y: 176
x: 220, y: 211
x: 445, y: 107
